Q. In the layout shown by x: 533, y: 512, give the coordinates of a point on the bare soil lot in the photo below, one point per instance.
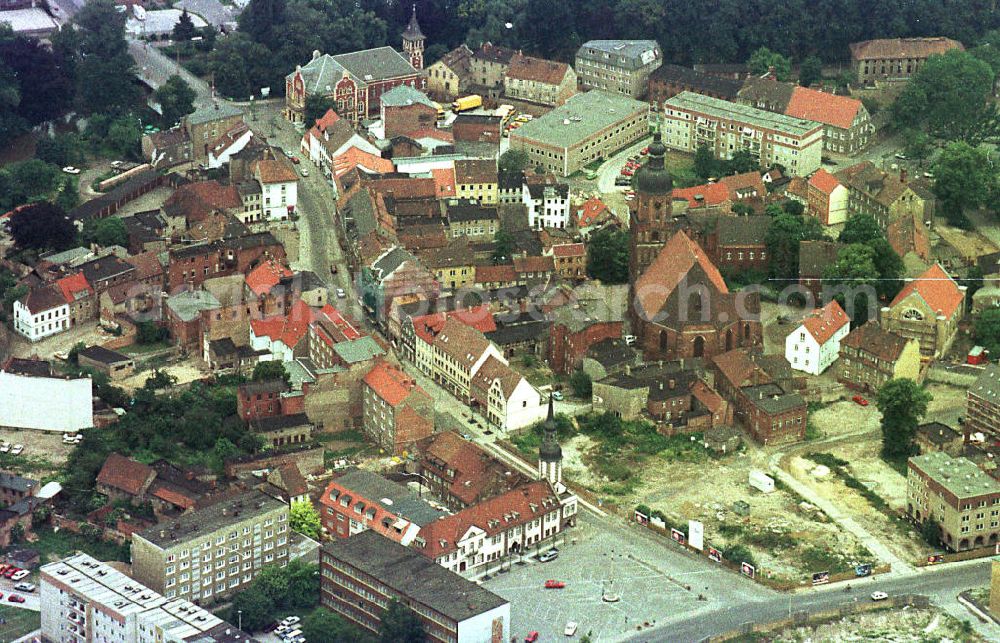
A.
x: 885, y: 625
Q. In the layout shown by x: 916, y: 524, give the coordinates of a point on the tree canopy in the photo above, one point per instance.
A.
x: 109, y: 231
x: 784, y: 233
x: 963, y: 179
x: 810, y: 71
x: 42, y: 226
x: 103, y: 64
x: 176, y: 99
x: 987, y: 330
x: 763, y: 60
x: 608, y: 255
x: 184, y: 29
x: 271, y: 370
x: 400, y: 624
x: 304, y: 519
x: 902, y: 403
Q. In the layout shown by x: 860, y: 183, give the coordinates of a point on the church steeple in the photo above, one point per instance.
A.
x: 651, y: 211
x: 550, y: 453
x: 413, y: 41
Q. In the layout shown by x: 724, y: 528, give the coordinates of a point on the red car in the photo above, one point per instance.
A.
x: 860, y: 401
x: 295, y: 160
x: 531, y: 637
x: 14, y: 598
x: 10, y: 571
x: 644, y: 151
x: 554, y: 584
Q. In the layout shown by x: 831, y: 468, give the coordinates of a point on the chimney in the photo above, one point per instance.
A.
x: 902, y: 175
x: 673, y: 383
x: 315, y: 55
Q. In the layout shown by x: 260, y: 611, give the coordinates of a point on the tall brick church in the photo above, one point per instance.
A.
x: 680, y: 305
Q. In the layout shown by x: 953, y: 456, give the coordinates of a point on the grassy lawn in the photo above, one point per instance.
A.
x: 18, y: 622
x: 26, y: 464
x: 59, y: 544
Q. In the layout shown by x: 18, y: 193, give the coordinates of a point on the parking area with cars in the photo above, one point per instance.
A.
x: 605, y: 584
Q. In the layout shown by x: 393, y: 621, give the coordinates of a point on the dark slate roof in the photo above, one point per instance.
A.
x: 390, y: 261
x: 465, y: 211
x: 33, y: 367
x: 815, y: 256
x: 938, y: 433
x: 772, y: 398
x: 742, y: 231
x: 517, y: 333
x: 280, y: 422
x: 697, y: 81
x: 611, y: 353
x: 375, y: 64
x: 413, y: 575
x: 401, y: 501
x: 104, y: 355
x: 90, y: 209
x: 103, y: 268
x: 203, y: 522
x: 657, y: 378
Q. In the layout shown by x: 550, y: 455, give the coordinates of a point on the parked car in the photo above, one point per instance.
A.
x: 557, y: 396
x: 287, y: 153
x: 14, y: 598
x: 69, y: 169
x: 860, y: 401
x: 554, y: 584
x: 610, y: 597
x: 629, y: 339
x: 290, y: 620
x: 305, y: 171
x: 10, y: 571
x: 18, y: 575
x: 879, y: 596
x: 295, y: 160
x: 532, y: 637
x: 571, y: 627
x: 551, y: 554
x: 16, y: 449
x: 901, y: 156
x: 4, y: 447
x: 25, y: 587
x: 644, y: 151
x: 341, y: 294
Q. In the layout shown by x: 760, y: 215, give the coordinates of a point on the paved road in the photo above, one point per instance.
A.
x: 154, y: 68
x: 940, y: 584
x: 611, y: 168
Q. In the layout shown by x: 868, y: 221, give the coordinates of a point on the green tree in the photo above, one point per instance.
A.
x: 916, y: 144
x: 859, y: 228
x: 762, y: 60
x: 581, y: 384
x: 325, y: 625
x: 902, y: 403
x: 240, y: 66
x: 947, y: 97
x: 987, y: 330
x: 514, y: 162
x: 608, y: 255
x: 745, y: 209
x: 176, y: 99
x: 401, y: 625
x: 503, y: 247
x: 125, y: 137
x: 317, y: 106
x: 184, y: 30
x: 784, y: 233
x: 253, y: 610
x: 11, y: 123
x: 304, y: 519
x: 706, y: 165
x: 742, y: 161
x: 810, y: 71
x: 223, y: 450
x: 42, y: 226
x: 268, y: 371
x: 149, y: 332
x: 963, y: 177
x: 26, y: 181
x: 261, y: 18
x: 793, y: 207
x: 110, y: 231
x: 60, y: 150
x: 930, y: 529
x: 889, y: 266
x: 104, y: 79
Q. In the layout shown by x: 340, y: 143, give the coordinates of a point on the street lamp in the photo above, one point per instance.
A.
x: 239, y: 616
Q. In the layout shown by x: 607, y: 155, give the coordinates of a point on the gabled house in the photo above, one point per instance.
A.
x: 927, y: 309
x: 547, y: 201
x: 535, y: 80
x: 283, y: 336
x: 397, y: 411
x: 461, y: 473
x: 505, y: 397
x: 80, y: 297
x: 459, y: 353
x: 871, y: 356
x: 827, y: 198
x: 450, y: 76
x: 815, y: 344
x: 41, y: 312
x: 279, y: 188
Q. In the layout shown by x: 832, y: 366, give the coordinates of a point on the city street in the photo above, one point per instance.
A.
x: 154, y: 68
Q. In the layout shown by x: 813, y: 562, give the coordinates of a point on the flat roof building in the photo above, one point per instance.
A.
x: 589, y: 126
x: 84, y: 597
x: 621, y: 66
x: 360, y: 575
x: 213, y: 552
x: 692, y: 120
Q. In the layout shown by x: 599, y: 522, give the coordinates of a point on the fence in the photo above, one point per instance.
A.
x: 801, y: 619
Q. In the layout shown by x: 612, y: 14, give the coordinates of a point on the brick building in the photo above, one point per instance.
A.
x: 406, y: 111
x: 895, y: 59
x: 535, y: 80
x: 982, y: 412
x: 871, y: 356
x: 191, y: 265
x: 669, y: 80
x: 761, y: 404
x: 827, y: 198
x: 397, y: 411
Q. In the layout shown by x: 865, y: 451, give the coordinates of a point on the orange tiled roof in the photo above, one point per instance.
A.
x: 538, y: 70
x: 710, y: 193
x: 73, y: 286
x: 479, y: 317
x: 354, y: 157
x: 674, y: 262
x: 503, y: 273
x: 824, y: 181
x: 823, y: 107
x: 124, y: 474
x: 444, y: 182
x: 902, y: 47
x: 824, y: 322
x: 569, y: 250
x: 533, y: 264
x: 592, y: 211
x: 390, y: 383
x: 737, y: 183
x: 276, y: 171
x: 936, y: 288
x: 289, y: 329
x: 266, y: 276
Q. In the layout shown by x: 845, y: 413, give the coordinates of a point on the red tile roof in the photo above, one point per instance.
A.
x: 824, y: 181
x: 354, y: 157
x: 479, y: 317
x: 475, y: 472
x: 444, y: 182
x: 592, y: 211
x: 902, y: 47
x: 533, y: 264
x: 288, y: 329
x: 824, y: 322
x: 325, y: 121
x: 147, y: 265
x: 823, y: 107
x: 390, y: 383
x: 936, y: 288
x: 198, y: 200
x: 569, y: 250
x: 710, y: 193
x: 345, y: 330
x: 739, y: 185
x: 74, y: 287
x: 503, y: 273
x: 494, y: 515
x: 674, y: 262
x: 124, y: 474
x: 538, y: 70
x: 173, y: 497
x: 266, y: 276
x: 709, y: 398
x: 276, y: 171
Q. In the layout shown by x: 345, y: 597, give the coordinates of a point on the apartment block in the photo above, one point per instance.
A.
x: 210, y: 553
x: 621, y: 66
x: 956, y: 494
x: 982, y: 413
x: 83, y: 599
x: 361, y: 575
x: 692, y: 120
